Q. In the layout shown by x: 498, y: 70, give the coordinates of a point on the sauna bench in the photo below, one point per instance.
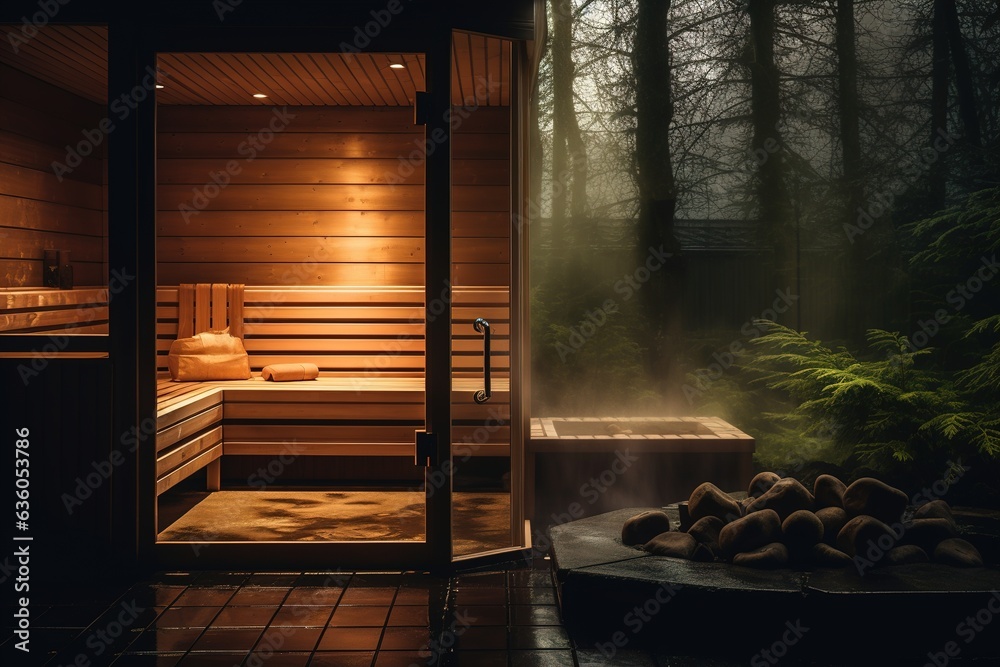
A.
x: 197, y: 423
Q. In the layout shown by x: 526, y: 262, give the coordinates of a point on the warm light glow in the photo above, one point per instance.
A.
x: 260, y: 96
x: 159, y: 85
x: 397, y: 66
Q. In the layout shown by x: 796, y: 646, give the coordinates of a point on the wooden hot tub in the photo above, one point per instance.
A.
x: 579, y: 467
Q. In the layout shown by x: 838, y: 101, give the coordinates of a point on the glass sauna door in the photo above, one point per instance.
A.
x: 486, y: 448
x: 313, y: 252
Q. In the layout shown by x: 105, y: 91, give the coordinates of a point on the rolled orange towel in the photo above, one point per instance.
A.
x: 289, y: 372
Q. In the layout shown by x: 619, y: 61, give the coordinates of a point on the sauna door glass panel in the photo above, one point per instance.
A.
x: 320, y: 231
x: 483, y: 506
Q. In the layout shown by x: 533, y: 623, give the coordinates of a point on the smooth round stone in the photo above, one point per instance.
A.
x: 761, y: 482
x: 833, y: 519
x: 786, y: 496
x: 935, y: 509
x: 824, y: 555
x: 706, y: 531
x: 749, y: 533
x: 677, y: 545
x: 644, y: 526
x: 769, y: 556
x: 904, y: 555
x: 958, y: 552
x: 865, y: 536
x: 875, y: 498
x: 828, y: 491
x: 801, y: 530
x: 928, y: 533
x: 709, y: 500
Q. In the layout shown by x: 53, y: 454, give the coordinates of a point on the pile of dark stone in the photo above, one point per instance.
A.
x: 781, y: 523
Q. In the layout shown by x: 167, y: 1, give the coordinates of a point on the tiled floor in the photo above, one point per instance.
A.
x: 506, y: 617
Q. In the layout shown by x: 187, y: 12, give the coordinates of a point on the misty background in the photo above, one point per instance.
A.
x: 779, y: 213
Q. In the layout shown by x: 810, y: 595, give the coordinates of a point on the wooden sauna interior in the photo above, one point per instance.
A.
x: 312, y: 200
x: 53, y: 179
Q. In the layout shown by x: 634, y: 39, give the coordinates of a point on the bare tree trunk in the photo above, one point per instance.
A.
x: 852, y: 181
x: 658, y: 249
x: 963, y: 77
x: 570, y: 156
x: 776, y: 219
x: 939, y: 99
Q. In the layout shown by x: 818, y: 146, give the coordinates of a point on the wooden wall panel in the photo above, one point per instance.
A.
x: 41, y: 209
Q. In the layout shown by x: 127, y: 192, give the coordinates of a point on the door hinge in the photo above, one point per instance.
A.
x: 425, y: 452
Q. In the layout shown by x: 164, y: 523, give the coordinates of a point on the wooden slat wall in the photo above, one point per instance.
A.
x: 37, y: 210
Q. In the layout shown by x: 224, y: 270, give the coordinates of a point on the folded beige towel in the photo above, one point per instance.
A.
x: 289, y: 372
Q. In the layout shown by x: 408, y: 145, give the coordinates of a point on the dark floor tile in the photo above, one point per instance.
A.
x: 480, y: 596
x: 530, y: 579
x: 350, y: 639
x: 359, y: 616
x: 532, y: 596
x: 420, y: 595
x: 621, y: 658
x: 405, y: 639
x: 157, y: 660
x: 60, y: 616
x: 481, y: 638
x: 165, y: 640
x: 475, y: 659
x: 301, y: 616
x: 478, y: 615
x: 204, y: 597
x: 228, y: 639
x: 522, y: 614
x: 343, y: 659
x: 153, y: 595
x: 288, y: 639
x: 539, y: 637
x: 322, y: 579
x: 542, y: 658
x: 270, y: 659
x: 481, y: 579
x: 409, y: 615
x: 399, y: 659
x: 187, y: 617
x: 213, y: 659
x: 365, y: 595
x: 217, y: 578
x: 273, y: 579
x: 244, y: 617
x: 248, y: 596
x: 314, y: 596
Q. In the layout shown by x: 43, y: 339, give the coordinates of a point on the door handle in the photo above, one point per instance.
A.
x: 486, y: 392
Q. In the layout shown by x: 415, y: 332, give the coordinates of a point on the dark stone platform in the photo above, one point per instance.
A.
x: 613, y: 596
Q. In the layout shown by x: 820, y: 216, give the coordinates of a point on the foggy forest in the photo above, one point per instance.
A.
x: 782, y: 213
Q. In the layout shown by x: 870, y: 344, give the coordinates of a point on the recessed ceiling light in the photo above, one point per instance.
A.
x: 159, y: 85
x: 260, y: 96
x: 397, y: 66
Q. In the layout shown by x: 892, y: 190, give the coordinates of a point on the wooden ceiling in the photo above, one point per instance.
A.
x: 75, y: 58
